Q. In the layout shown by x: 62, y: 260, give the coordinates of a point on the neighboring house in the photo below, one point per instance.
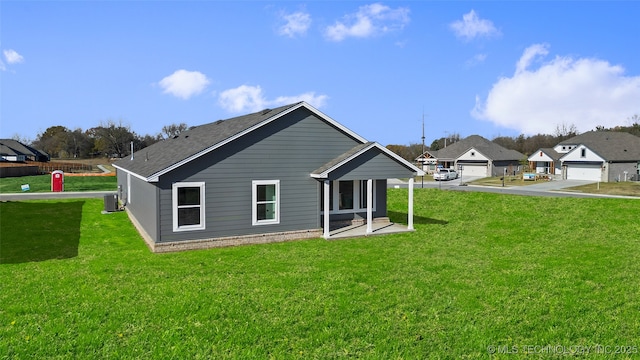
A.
x: 13, y: 150
x: 428, y: 161
x: 546, y: 161
x: 600, y: 156
x: 478, y: 157
x: 275, y: 175
x: 8, y: 154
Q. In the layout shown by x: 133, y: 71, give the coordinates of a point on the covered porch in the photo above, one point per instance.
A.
x: 365, y: 165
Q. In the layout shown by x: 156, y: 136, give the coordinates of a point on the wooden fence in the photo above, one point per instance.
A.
x: 45, y: 167
x: 67, y: 167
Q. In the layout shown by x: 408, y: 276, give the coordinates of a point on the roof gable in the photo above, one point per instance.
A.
x: 576, y: 155
x: 324, y: 171
x: 156, y: 160
x: 610, y: 145
x: 488, y: 148
x: 545, y: 154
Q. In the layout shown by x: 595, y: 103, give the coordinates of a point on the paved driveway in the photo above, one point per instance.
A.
x: 547, y: 188
x: 555, y: 185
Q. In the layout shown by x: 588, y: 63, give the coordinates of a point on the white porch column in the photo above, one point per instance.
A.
x: 410, y: 210
x: 326, y: 208
x: 369, y: 206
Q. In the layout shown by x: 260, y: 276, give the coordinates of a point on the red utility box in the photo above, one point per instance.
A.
x: 57, y: 181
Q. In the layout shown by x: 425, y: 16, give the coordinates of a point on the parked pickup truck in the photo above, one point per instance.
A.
x: 445, y: 174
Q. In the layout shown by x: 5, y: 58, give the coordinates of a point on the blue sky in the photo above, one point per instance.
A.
x: 491, y: 68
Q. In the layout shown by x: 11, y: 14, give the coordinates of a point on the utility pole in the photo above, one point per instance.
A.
x: 422, y: 148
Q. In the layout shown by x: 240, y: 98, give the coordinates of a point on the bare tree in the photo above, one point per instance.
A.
x: 78, y: 144
x: 112, y: 139
x: 172, y: 130
x: 564, y: 131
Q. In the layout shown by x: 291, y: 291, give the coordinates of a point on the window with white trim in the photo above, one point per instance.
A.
x: 265, y: 202
x: 349, y: 196
x: 188, y: 206
x: 363, y: 194
x: 346, y: 195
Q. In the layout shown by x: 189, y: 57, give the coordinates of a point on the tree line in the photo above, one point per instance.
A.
x: 113, y: 139
x: 108, y: 139
x: 524, y: 144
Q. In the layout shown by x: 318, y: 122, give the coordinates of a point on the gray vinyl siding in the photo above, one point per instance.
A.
x: 371, y: 165
x: 287, y: 150
x: 121, y: 178
x: 499, y: 166
x: 616, y: 170
x: 144, y: 205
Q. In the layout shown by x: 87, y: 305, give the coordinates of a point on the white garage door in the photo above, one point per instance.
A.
x: 474, y: 170
x: 584, y: 172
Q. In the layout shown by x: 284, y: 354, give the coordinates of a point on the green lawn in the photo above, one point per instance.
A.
x: 481, y: 270
x: 628, y: 188
x: 42, y: 183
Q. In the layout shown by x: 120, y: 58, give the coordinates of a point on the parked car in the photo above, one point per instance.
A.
x: 445, y: 174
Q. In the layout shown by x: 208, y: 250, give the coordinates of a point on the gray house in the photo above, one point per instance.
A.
x: 13, y: 150
x: 595, y: 156
x: 477, y: 156
x: 279, y: 174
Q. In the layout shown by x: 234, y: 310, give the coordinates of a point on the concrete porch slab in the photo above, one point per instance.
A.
x: 360, y: 230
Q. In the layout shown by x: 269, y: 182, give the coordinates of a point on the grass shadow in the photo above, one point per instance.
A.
x: 401, y: 217
x: 34, y: 231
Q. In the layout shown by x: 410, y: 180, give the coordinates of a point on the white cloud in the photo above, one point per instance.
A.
x: 247, y: 98
x: 184, y: 84
x: 583, y: 92
x: 295, y: 24
x: 530, y: 53
x: 472, y: 26
x: 310, y: 97
x: 12, y: 57
x: 244, y: 98
x: 476, y: 59
x: 368, y: 21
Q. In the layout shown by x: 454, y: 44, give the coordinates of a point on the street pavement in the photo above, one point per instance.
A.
x: 55, y: 195
x: 555, y: 188
x: 547, y: 188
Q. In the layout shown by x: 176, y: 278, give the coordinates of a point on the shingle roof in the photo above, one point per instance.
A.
x: 5, y: 150
x: 154, y: 161
x: 488, y: 148
x: 356, y: 151
x: 352, y: 152
x: 610, y: 145
x: 552, y: 153
x: 189, y: 143
x: 19, y: 148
